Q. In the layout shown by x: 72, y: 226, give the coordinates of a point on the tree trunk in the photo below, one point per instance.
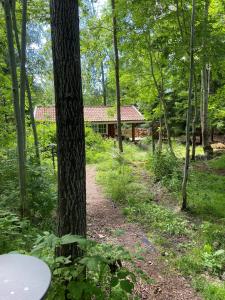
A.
x: 152, y: 128
x: 159, y: 146
x: 166, y: 124
x: 30, y: 102
x: 194, y: 122
x: 69, y: 122
x: 103, y: 84
x: 117, y: 75
x: 188, y: 122
x: 23, y: 68
x: 19, y: 125
x: 208, y: 151
x: 160, y: 90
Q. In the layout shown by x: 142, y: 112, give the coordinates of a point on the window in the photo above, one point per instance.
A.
x: 101, y: 128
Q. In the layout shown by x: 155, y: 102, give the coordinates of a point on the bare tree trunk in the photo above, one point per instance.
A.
x: 166, y: 124
x: 208, y: 151
x: 69, y: 122
x: 194, y: 122
x: 19, y: 125
x: 117, y: 74
x: 152, y: 127
x: 103, y: 84
x: 30, y: 102
x: 159, y: 148
x: 188, y: 122
x: 23, y: 68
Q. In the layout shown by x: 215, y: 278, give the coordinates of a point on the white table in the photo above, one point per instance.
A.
x: 23, y: 277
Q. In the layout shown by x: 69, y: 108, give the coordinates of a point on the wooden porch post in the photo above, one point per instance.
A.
x: 133, y: 132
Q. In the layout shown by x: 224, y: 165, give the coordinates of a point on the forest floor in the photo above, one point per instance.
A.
x: 107, y: 224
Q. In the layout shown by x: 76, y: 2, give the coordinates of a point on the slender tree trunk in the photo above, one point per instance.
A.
x: 208, y: 151
x: 19, y: 125
x: 23, y: 68
x: 69, y: 122
x: 166, y: 123
x: 117, y: 74
x: 152, y: 126
x: 160, y: 90
x: 159, y: 148
x: 188, y: 122
x: 194, y: 122
x: 103, y: 84
x: 30, y: 102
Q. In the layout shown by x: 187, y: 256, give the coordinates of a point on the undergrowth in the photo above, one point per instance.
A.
x: 196, y: 248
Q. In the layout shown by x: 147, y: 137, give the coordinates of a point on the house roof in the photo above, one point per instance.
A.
x: 96, y: 114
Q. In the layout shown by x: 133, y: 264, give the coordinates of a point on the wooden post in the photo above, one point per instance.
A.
x: 133, y: 132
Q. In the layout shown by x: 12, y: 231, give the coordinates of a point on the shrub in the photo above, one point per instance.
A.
x: 14, y: 233
x: 166, y: 167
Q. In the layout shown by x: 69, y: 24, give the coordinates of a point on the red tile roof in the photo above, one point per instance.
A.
x: 103, y: 114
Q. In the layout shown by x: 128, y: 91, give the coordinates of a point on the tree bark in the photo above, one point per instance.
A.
x: 16, y: 104
x: 103, y: 84
x: 69, y: 122
x: 117, y: 75
x: 208, y: 151
x: 188, y: 122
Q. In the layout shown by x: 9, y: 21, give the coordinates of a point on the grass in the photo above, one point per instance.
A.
x: 196, y: 240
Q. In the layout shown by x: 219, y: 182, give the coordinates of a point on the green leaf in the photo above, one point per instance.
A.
x: 127, y: 286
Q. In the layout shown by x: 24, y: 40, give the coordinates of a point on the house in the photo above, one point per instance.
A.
x: 103, y: 119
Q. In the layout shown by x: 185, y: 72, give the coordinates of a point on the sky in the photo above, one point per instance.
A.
x: 99, y: 5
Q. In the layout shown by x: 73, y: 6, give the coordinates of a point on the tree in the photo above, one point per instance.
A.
x: 189, y: 110
x: 205, y: 90
x: 17, y: 110
x: 69, y: 121
x: 117, y: 76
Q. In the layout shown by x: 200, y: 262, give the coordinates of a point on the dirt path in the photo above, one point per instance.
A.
x: 107, y: 224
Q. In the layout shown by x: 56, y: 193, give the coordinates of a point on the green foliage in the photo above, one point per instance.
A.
x: 206, y: 200
x: 14, y: 233
x: 41, y: 188
x: 96, y: 146
x: 210, y: 291
x: 105, y: 277
x: 166, y: 168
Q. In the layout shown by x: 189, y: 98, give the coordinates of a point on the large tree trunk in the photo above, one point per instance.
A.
x: 19, y: 124
x: 188, y: 122
x: 103, y: 84
x: 117, y: 75
x: 30, y: 102
x: 69, y: 122
x: 208, y: 151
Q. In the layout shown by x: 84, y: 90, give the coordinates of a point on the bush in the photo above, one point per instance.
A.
x: 167, y: 168
x: 41, y: 188
x: 14, y: 233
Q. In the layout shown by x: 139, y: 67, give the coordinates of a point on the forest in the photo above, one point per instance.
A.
x: 112, y: 146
